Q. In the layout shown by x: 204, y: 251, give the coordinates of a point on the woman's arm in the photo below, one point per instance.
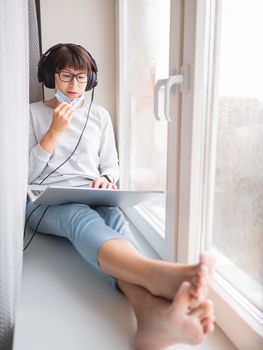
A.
x: 40, y: 152
x: 38, y: 157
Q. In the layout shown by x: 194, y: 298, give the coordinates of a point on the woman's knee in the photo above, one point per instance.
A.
x: 79, y: 217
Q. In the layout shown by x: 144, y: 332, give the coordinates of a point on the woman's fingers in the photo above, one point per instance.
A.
x: 99, y: 183
x: 65, y: 111
x: 62, y: 117
x: 103, y: 183
x: 62, y: 106
x: 111, y: 186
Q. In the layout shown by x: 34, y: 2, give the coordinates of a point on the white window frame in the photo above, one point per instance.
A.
x: 237, y: 318
x: 191, y: 186
x: 151, y: 230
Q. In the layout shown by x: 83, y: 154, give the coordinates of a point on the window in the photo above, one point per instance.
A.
x: 213, y: 147
x: 148, y: 28
x: 238, y: 194
x: 144, y: 141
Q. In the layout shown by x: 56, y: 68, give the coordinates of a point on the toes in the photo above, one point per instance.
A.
x: 183, y: 296
x: 209, y: 260
x: 208, y: 325
x: 207, y: 320
x: 202, y: 274
x: 200, y: 283
x: 206, y: 309
x: 203, y: 270
x: 197, y: 292
x: 197, y: 298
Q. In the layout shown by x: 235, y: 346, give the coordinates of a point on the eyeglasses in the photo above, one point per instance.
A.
x: 68, y: 77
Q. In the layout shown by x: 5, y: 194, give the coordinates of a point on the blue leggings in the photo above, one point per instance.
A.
x: 87, y: 228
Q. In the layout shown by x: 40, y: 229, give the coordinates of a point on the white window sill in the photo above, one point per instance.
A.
x: 65, y: 304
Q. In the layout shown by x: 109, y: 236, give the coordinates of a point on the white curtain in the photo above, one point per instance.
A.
x: 13, y: 156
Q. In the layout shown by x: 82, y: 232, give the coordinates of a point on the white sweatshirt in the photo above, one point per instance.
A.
x: 96, y: 154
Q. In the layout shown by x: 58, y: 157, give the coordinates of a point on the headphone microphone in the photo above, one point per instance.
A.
x: 47, y: 68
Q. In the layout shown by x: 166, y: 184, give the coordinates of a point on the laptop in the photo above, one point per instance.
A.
x: 53, y: 195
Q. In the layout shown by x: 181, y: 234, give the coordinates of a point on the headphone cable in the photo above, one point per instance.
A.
x: 39, y: 221
x: 92, y: 96
x: 87, y: 118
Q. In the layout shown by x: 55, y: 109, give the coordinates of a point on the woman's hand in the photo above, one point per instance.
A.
x: 61, y: 118
x: 102, y: 182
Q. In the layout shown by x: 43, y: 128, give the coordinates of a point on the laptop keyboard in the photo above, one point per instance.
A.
x: 36, y: 192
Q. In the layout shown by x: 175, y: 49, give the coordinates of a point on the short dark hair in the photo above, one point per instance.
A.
x: 71, y: 56
x: 62, y: 56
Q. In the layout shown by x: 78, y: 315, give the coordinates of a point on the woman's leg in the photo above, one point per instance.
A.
x: 161, y: 323
x: 112, y: 249
x: 119, y: 259
x: 79, y: 223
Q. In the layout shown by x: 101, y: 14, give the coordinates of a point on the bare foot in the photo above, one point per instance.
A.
x: 162, y: 323
x: 168, y: 277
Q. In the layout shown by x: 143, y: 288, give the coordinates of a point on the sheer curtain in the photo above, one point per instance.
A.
x: 13, y: 156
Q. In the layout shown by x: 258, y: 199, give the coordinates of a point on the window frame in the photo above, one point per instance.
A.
x: 190, y: 186
x: 197, y: 171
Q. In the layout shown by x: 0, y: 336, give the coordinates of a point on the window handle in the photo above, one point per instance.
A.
x: 181, y: 79
x: 157, y: 87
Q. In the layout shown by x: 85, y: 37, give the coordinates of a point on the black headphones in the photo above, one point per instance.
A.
x: 46, y: 69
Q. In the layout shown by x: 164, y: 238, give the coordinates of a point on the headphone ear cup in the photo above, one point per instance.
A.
x: 41, y: 72
x: 44, y: 75
x: 50, y: 82
x: 93, y: 81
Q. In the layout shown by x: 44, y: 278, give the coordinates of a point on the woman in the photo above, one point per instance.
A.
x: 72, y: 143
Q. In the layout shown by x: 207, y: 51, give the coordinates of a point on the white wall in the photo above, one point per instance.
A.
x: 90, y: 23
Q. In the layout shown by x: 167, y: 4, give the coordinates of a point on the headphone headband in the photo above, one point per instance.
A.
x: 46, y: 68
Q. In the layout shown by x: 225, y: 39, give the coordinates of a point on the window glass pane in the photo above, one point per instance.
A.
x: 147, y: 37
x: 238, y: 205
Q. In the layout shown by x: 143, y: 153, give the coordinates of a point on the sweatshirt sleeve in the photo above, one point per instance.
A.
x: 109, y: 163
x: 38, y: 157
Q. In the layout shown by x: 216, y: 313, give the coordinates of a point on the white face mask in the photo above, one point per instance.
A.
x: 62, y: 98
